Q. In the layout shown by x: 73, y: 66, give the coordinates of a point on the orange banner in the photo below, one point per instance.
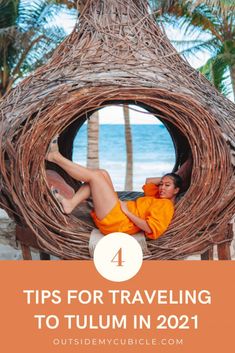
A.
x: 66, y: 306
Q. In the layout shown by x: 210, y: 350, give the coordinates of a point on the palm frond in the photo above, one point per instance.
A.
x: 216, y: 71
x: 199, y: 14
x: 8, y: 12
x: 30, y: 41
x: 194, y: 46
x: 215, y: 5
x: 42, y: 50
x: 220, y: 7
x: 35, y: 13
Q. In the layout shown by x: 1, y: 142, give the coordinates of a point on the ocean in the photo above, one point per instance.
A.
x: 153, y: 152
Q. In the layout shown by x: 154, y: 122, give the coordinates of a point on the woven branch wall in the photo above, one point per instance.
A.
x: 118, y: 53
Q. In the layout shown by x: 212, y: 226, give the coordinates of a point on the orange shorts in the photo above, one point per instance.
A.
x: 115, y: 221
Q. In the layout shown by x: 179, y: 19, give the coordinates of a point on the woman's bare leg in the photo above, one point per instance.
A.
x: 102, y: 191
x: 107, y: 177
x: 82, y: 194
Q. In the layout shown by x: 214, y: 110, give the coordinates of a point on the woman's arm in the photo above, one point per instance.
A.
x: 139, y: 222
x: 155, y: 180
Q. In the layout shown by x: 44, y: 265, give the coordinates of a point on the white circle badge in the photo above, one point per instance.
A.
x: 118, y: 257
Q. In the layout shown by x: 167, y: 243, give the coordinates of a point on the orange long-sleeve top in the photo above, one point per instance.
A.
x: 156, y: 212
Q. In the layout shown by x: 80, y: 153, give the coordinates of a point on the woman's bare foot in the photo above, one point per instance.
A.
x: 53, y: 149
x: 66, y: 205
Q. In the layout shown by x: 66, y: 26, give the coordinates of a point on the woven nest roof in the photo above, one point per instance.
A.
x: 117, y: 53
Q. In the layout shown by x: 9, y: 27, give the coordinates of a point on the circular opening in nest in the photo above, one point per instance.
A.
x: 180, y: 144
x: 128, y: 141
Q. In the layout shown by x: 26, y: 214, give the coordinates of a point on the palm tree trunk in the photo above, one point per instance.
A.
x: 129, y: 152
x: 232, y: 74
x: 5, y: 74
x: 93, y: 141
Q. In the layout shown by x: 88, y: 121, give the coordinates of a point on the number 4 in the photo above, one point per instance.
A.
x: 119, y: 259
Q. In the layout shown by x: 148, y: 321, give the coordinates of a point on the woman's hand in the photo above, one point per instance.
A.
x: 124, y: 207
x: 139, y: 222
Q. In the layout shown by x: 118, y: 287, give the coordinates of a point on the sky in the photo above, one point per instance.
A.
x: 138, y: 115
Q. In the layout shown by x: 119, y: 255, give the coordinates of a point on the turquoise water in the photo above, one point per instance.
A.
x: 153, y: 152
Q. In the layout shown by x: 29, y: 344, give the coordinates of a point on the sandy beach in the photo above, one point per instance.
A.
x: 10, y: 250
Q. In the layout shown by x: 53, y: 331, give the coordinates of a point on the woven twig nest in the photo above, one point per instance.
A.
x: 117, y: 54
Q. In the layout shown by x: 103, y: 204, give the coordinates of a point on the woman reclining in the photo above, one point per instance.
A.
x: 151, y: 213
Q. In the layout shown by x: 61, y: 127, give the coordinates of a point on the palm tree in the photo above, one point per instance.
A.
x: 27, y: 38
x: 93, y: 141
x: 129, y: 152
x: 215, y: 18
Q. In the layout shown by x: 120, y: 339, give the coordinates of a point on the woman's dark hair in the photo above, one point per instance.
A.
x: 176, y: 179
